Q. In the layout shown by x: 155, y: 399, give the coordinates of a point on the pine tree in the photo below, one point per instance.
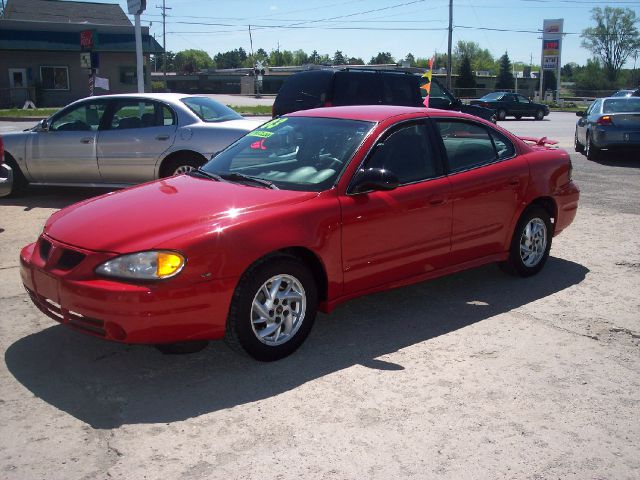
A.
x: 466, y: 81
x: 505, y: 77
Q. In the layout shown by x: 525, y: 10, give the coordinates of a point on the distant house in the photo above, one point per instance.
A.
x: 40, y: 51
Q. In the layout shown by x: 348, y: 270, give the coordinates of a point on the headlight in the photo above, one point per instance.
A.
x: 154, y: 265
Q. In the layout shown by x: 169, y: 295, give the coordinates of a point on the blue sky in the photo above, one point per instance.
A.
x: 361, y: 28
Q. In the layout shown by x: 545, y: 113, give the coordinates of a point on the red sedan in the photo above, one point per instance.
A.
x: 308, y: 211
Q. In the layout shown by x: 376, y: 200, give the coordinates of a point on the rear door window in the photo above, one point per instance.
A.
x: 469, y: 145
x: 401, y: 89
x: 356, y: 88
x: 303, y: 91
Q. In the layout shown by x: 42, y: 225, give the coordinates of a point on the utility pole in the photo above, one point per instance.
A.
x: 449, y: 62
x: 164, y: 9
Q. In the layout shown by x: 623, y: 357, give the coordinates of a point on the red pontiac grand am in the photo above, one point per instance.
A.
x: 308, y: 211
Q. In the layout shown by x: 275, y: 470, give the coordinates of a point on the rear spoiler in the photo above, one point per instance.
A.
x: 541, y: 142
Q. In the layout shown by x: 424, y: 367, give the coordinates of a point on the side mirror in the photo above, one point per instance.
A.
x: 581, y: 113
x: 42, y: 126
x: 374, y: 179
x: 457, y: 103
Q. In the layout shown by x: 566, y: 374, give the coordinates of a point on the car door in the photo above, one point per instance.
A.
x: 137, y: 132
x: 524, y: 106
x: 583, y: 122
x: 488, y: 183
x: 391, y: 235
x: 65, y: 151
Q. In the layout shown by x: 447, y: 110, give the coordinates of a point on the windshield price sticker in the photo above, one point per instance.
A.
x: 274, y: 123
x: 259, y: 133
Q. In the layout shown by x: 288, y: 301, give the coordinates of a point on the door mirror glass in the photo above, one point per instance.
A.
x: 580, y: 113
x: 374, y: 179
x: 42, y: 126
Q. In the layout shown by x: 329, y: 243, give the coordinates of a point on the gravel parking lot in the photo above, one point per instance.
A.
x: 476, y: 375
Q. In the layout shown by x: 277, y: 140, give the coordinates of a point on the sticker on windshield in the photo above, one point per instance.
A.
x: 259, y: 133
x: 274, y: 123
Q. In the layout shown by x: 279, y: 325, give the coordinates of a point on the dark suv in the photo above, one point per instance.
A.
x: 332, y: 88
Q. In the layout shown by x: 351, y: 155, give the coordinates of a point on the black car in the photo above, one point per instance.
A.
x: 331, y: 87
x: 512, y: 104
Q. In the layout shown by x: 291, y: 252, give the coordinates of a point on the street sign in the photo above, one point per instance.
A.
x: 136, y: 7
x: 85, y: 60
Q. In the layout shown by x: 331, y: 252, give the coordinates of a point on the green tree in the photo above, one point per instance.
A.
x: 158, y: 59
x: 590, y: 80
x: 355, y: 61
x: 300, y: 57
x: 231, y: 59
x: 338, y: 58
x: 382, y: 58
x: 466, y: 81
x: 505, y: 77
x: 410, y: 59
x: 192, y: 60
x: 613, y: 39
x: 480, y: 58
x: 314, y: 58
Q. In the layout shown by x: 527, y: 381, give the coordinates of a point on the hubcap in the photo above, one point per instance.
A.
x: 278, y: 309
x: 533, y: 242
x: 183, y: 169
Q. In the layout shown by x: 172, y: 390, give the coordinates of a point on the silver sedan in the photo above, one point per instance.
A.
x: 122, y: 140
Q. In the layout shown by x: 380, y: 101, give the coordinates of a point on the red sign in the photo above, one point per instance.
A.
x: 86, y: 39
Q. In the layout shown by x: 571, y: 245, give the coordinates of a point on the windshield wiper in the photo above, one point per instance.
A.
x: 200, y: 172
x: 240, y: 177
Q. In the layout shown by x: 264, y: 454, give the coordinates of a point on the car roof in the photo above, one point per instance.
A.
x: 373, y: 113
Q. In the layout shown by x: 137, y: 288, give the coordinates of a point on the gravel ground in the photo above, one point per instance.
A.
x: 476, y: 375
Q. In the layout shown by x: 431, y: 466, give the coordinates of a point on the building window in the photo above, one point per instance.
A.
x: 128, y: 75
x: 54, y: 78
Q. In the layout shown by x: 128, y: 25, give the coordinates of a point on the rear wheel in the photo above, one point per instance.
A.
x: 502, y: 114
x: 180, y: 164
x: 539, y: 115
x: 273, y: 308
x: 577, y: 146
x: 591, y: 151
x: 531, y: 243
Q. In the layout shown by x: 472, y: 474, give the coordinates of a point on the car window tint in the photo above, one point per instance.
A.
x: 400, y: 90
x: 208, y: 110
x: 468, y: 145
x: 356, y: 88
x: 503, y: 145
x: 622, y: 105
x: 83, y: 117
x: 303, y: 91
x: 168, y: 116
x: 522, y: 99
x: 407, y: 154
x: 133, y: 114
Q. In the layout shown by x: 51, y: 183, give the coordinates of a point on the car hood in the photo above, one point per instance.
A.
x: 143, y: 217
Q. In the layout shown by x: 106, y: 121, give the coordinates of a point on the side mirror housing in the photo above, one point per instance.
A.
x: 42, y: 126
x: 374, y: 179
x: 580, y: 113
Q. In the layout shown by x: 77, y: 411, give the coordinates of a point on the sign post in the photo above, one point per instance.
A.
x: 136, y: 7
x: 551, y: 50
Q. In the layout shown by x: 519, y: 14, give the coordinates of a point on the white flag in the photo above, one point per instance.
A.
x: 102, y: 83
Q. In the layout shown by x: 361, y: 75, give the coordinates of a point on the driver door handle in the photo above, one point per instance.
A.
x: 162, y: 137
x: 86, y: 140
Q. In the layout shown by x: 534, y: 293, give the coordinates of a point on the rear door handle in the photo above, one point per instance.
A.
x: 162, y: 137
x: 435, y: 200
x: 86, y: 140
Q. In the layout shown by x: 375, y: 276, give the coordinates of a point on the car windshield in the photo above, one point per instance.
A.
x: 209, y: 110
x: 493, y: 96
x: 623, y: 105
x: 294, y: 153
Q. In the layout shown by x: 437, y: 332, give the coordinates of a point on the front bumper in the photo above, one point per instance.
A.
x: 152, y: 313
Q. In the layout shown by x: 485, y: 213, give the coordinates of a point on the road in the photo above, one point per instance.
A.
x: 476, y: 375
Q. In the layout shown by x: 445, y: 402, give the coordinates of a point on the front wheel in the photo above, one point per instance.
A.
x: 539, y: 115
x: 502, y: 114
x: 577, y: 146
x: 273, y: 309
x: 531, y: 243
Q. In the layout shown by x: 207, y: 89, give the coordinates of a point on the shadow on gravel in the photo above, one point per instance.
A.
x: 107, y: 385
x: 619, y: 159
x: 53, y: 197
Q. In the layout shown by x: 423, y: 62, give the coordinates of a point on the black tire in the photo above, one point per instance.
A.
x: 591, y: 151
x: 243, y: 328
x: 182, y: 348
x: 577, y: 146
x: 519, y: 263
x: 180, y: 164
x: 502, y: 114
x: 20, y: 183
x: 539, y: 114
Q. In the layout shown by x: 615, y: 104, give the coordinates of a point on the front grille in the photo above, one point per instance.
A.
x: 76, y: 320
x: 69, y: 259
x: 45, y: 248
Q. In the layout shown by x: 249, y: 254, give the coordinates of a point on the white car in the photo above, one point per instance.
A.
x: 121, y: 140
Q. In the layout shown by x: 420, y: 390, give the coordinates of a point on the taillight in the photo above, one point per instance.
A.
x: 327, y: 103
x: 605, y: 120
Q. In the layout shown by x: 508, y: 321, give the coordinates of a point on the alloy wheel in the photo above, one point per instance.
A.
x: 533, y: 242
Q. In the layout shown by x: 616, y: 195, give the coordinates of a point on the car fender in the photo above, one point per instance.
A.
x: 15, y: 145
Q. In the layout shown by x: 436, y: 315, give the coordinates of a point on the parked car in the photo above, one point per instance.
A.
x: 306, y: 212
x: 623, y: 93
x: 6, y: 174
x: 122, y: 139
x: 512, y: 104
x: 333, y: 88
x: 608, y: 124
